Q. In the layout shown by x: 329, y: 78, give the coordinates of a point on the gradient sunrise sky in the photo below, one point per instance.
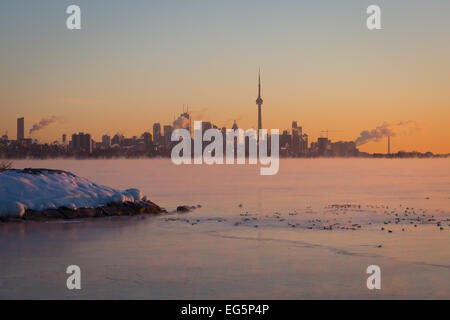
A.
x: 137, y: 62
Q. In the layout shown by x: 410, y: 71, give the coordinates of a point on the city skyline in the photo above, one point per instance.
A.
x: 321, y: 67
x: 384, y: 139
x: 293, y: 142
x: 292, y: 138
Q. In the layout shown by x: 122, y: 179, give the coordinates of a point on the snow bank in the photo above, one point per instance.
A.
x: 43, y: 189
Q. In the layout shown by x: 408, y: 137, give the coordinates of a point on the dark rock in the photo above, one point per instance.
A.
x: 43, y: 215
x: 112, y: 209
x: 183, y: 209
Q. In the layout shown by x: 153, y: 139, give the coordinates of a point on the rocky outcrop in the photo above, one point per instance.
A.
x: 35, y: 194
x: 109, y: 210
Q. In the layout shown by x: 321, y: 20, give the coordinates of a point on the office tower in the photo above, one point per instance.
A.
x: 148, y: 141
x: 117, y: 139
x: 82, y: 142
x: 296, y: 143
x: 323, y: 146
x: 168, y: 136
x: 157, y: 133
x: 64, y: 139
x: 106, y: 141
x: 304, y: 143
x: 4, y: 138
x: 20, y: 129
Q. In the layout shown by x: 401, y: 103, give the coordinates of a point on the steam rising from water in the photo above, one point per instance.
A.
x: 43, y: 123
x: 403, y: 128
x: 181, y: 123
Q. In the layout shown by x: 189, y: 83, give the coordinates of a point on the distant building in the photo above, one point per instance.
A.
x: 304, y: 146
x: 98, y: 145
x: 168, y: 136
x: 206, y: 126
x: 148, y: 140
x: 106, y: 141
x: 64, y: 139
x: 117, y: 139
x: 323, y: 146
x: 187, y: 116
x: 344, y: 149
x: 4, y: 138
x: 26, y: 142
x: 157, y: 133
x: 82, y: 143
x: 20, y: 129
x: 296, y: 138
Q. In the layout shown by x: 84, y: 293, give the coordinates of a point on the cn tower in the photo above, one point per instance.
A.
x: 259, y: 102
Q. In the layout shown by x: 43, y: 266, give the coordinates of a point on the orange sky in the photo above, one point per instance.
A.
x: 326, y: 71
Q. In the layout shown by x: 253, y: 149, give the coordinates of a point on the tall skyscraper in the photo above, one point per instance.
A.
x: 82, y: 142
x: 20, y: 129
x: 106, y: 141
x: 148, y: 141
x: 167, y: 136
x: 157, y: 133
x: 259, y: 102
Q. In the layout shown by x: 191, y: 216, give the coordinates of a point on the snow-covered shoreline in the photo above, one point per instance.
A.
x: 42, y: 189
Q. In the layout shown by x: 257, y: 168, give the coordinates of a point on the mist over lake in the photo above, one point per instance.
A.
x: 308, y: 232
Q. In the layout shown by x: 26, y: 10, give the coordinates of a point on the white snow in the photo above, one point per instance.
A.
x: 20, y: 191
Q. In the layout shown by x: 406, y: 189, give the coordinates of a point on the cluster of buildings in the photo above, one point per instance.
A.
x: 293, y: 142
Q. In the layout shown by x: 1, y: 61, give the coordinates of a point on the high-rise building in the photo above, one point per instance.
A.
x: 304, y: 148
x: 168, y: 136
x: 82, y: 142
x: 148, y: 140
x: 323, y: 145
x: 20, y: 129
x: 106, y: 141
x: 296, y: 139
x: 157, y: 133
x: 4, y: 137
x: 117, y: 139
x: 64, y: 139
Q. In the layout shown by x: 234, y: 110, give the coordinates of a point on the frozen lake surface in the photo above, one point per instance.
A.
x: 310, y: 231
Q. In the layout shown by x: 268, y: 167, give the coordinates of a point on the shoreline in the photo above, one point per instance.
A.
x: 110, y: 210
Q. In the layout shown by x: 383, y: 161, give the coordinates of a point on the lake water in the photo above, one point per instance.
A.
x: 310, y: 231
